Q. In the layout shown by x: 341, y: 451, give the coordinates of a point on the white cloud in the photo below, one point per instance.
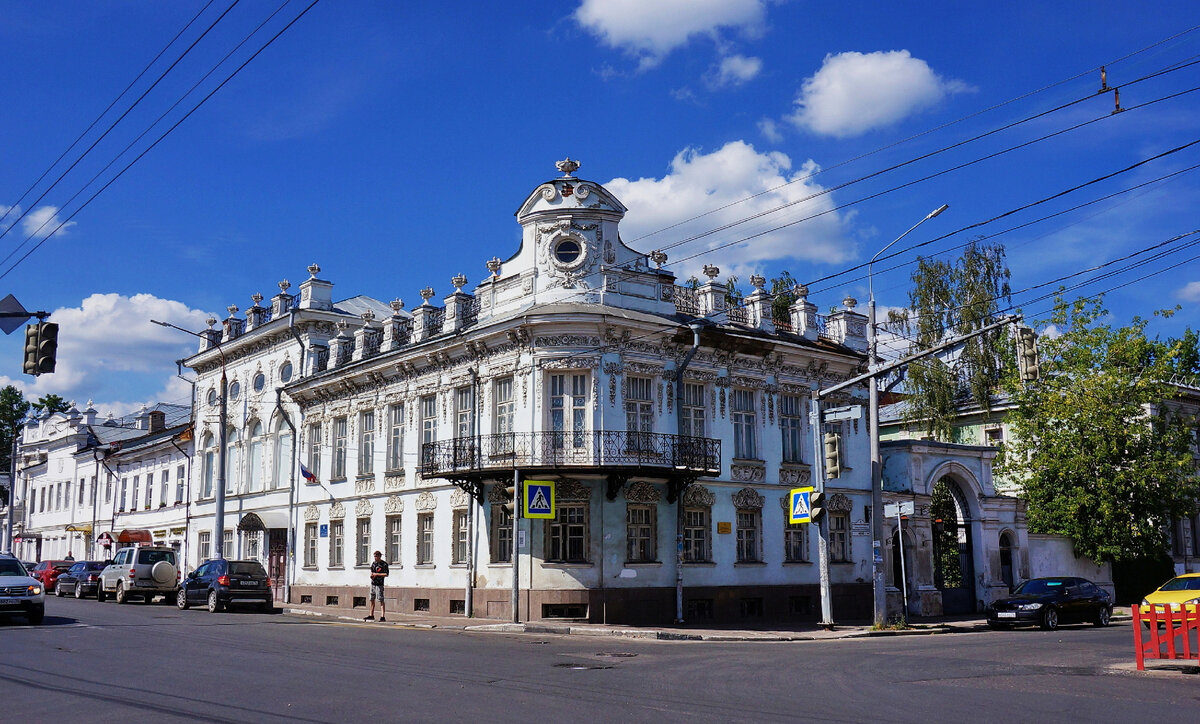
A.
x: 1190, y: 292
x: 37, y: 224
x: 699, y: 182
x: 650, y: 29
x: 109, y: 350
x: 734, y: 70
x: 770, y: 130
x: 854, y: 92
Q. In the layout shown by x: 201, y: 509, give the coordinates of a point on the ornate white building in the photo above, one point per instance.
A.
x: 560, y: 365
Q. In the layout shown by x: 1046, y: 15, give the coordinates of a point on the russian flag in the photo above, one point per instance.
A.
x: 308, y: 475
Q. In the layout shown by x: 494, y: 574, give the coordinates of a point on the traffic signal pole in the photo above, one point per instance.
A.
x: 818, y: 480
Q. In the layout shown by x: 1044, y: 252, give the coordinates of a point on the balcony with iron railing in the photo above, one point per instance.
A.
x: 644, y: 453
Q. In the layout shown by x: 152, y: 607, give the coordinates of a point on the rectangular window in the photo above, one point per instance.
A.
x: 253, y: 544
x: 340, y: 433
x: 180, y: 483
x: 428, y: 427
x: 227, y: 543
x: 92, y: 493
x: 791, y: 426
x: 748, y: 537
x: 568, y: 410
x: 641, y: 544
x: 506, y: 407
x: 697, y: 530
x: 337, y: 532
x: 366, y: 443
x: 108, y: 487
x: 58, y: 494
x: 129, y: 503
x: 210, y: 471
x: 311, y: 532
x: 425, y: 539
x: 395, y: 440
x: 149, y: 493
x: 693, y: 410
x: 364, y: 542
x: 464, y: 426
x: 839, y: 537
x: 204, y: 546
x: 314, y: 449
x: 568, y: 534
x: 795, y: 540
x: 462, y: 537
x: 639, y: 413
x: 501, y: 535
x: 82, y: 483
x: 164, y: 484
x: 394, y: 541
x: 67, y: 495
x: 744, y: 424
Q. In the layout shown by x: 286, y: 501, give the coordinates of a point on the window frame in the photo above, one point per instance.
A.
x: 641, y: 536
x: 425, y: 541
x: 568, y: 534
x: 312, y: 534
x: 839, y: 537
x: 394, y: 547
x: 341, y: 435
x: 460, y: 551
x: 501, y: 539
x: 791, y: 428
x: 749, y: 535
x: 362, y: 536
x: 337, y: 538
x: 366, y: 442
x: 395, y: 440
x: 697, y: 534
x: 745, y: 423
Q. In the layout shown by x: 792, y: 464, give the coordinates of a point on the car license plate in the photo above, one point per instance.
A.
x: 1006, y: 614
x: 8, y: 602
x: 249, y: 584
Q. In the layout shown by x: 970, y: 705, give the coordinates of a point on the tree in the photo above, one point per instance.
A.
x: 1102, y: 452
x: 49, y: 404
x: 13, y: 408
x: 951, y: 299
x: 783, y: 295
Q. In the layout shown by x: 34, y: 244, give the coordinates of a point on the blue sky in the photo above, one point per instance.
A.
x: 392, y: 142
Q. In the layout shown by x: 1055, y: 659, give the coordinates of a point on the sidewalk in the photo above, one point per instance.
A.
x: 802, y: 632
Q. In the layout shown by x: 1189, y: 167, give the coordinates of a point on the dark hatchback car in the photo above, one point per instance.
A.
x: 1048, y: 602
x: 80, y: 580
x: 219, y: 583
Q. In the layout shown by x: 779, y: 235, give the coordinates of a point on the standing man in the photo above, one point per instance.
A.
x: 379, y: 571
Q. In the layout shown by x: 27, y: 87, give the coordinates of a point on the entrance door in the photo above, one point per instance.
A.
x: 277, y: 560
x: 953, y: 567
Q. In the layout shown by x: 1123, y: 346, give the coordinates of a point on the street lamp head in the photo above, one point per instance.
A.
x: 938, y: 211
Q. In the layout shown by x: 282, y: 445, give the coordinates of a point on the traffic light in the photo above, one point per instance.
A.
x: 511, y: 506
x: 1027, y: 355
x: 816, y: 505
x: 47, y: 347
x: 833, y: 456
x: 31, y: 348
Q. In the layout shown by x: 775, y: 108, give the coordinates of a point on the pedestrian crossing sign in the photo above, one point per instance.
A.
x: 539, y: 499
x: 798, y: 509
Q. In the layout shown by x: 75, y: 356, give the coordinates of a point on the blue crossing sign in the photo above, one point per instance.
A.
x: 798, y: 505
x: 539, y: 499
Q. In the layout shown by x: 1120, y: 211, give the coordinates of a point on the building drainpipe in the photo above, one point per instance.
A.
x: 679, y: 498
x: 291, y: 537
x: 469, y: 592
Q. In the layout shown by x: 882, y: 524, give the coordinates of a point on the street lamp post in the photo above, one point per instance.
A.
x: 873, y: 431
x: 222, y: 442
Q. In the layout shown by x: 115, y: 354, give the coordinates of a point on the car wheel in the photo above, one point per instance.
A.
x: 78, y: 591
x: 58, y: 591
x: 100, y: 594
x: 1050, y: 618
x: 35, y: 616
x: 120, y: 596
x: 213, y: 604
x: 181, y: 599
x: 1103, y: 617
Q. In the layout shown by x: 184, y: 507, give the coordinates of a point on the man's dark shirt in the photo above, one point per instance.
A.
x: 379, y: 566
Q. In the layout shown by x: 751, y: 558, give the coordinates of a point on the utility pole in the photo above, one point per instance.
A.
x: 818, y: 481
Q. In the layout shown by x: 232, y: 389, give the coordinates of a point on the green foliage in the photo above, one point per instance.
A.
x: 1103, y: 455
x: 947, y: 561
x: 783, y: 295
x: 13, y: 408
x: 733, y: 295
x: 950, y: 299
x: 49, y: 404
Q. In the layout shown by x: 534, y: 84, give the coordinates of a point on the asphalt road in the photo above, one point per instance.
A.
x: 103, y: 662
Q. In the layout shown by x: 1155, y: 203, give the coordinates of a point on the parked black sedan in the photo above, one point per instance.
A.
x: 80, y: 579
x: 1047, y: 602
x: 218, y: 584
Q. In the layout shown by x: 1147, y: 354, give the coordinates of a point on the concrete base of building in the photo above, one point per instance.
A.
x: 745, y: 606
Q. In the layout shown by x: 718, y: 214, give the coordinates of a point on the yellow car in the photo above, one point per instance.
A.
x: 1181, y: 592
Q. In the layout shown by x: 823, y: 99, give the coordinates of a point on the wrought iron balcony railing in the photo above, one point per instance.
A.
x: 608, y: 449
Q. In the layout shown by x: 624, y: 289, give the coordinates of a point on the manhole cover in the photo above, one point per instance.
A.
x: 581, y: 667
x: 617, y: 654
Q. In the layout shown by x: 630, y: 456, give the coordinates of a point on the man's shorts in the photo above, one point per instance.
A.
x: 377, y: 593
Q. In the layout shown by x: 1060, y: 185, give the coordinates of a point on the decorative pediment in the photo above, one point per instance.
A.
x: 426, y: 502
x: 393, y: 504
x: 312, y: 514
x: 839, y: 503
x: 337, y: 510
x: 572, y: 490
x: 364, y: 508
x: 642, y: 492
x: 748, y: 498
x: 459, y: 499
x: 699, y: 496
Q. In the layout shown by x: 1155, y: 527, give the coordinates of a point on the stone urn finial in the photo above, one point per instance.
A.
x: 494, y: 265
x: 284, y: 285
x: 210, y: 322
x: 459, y: 281
x: 368, y: 317
x: 659, y: 258
x: 313, y: 270
x: 567, y: 166
x: 396, y: 305
x: 712, y: 272
x: 801, y: 291
x: 849, y: 302
x: 342, y: 326
x: 427, y: 294
x: 232, y: 309
x: 758, y: 281
x: 256, y: 298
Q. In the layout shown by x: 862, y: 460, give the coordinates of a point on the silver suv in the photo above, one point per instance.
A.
x: 19, y: 593
x: 145, y: 571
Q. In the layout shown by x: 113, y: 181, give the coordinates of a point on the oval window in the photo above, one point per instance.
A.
x: 234, y: 390
x: 285, y: 372
x: 260, y: 381
x: 212, y: 397
x: 567, y: 251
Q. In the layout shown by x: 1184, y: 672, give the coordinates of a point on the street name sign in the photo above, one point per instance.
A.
x: 539, y: 499
x: 894, y: 510
x: 798, y: 505
x: 850, y: 412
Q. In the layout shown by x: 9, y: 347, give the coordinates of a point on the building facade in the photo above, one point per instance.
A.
x: 354, y: 426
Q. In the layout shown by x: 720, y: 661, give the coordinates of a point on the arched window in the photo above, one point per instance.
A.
x: 233, y: 462
x: 1006, y: 559
x: 283, y: 456
x: 209, y: 464
x: 256, y: 457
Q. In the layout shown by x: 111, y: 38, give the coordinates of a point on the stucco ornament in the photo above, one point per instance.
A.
x: 572, y: 490
x: 426, y: 502
x: 364, y: 508
x: 642, y: 492
x: 698, y: 495
x: 337, y: 510
x: 839, y: 503
x: 312, y: 514
x: 748, y: 498
x: 394, y: 504
x: 459, y: 499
